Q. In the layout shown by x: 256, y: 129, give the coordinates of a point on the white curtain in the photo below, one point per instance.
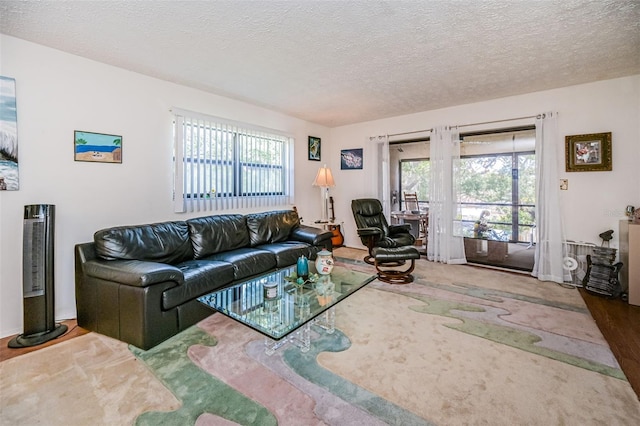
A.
x: 549, y: 249
x: 384, y: 185
x: 445, y: 241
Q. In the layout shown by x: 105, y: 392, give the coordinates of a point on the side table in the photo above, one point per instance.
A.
x: 336, y: 229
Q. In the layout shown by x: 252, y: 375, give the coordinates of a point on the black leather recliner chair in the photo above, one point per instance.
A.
x: 374, y: 230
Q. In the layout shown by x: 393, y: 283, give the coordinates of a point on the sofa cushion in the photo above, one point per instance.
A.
x: 247, y: 261
x: 271, y: 227
x: 166, y: 242
x: 288, y: 252
x: 200, y: 277
x: 214, y: 234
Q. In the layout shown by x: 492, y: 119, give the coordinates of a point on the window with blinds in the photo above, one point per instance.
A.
x: 224, y: 165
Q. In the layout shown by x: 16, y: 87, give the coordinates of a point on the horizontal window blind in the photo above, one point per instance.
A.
x: 225, y: 165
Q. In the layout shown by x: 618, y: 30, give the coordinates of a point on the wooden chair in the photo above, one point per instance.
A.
x: 411, y: 203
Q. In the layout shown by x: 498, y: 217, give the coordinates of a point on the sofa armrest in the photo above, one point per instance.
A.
x: 310, y: 235
x: 135, y: 273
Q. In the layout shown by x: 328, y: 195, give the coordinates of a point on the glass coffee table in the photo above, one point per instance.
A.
x: 283, y: 311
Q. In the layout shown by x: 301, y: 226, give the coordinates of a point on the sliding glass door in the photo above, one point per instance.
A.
x: 499, y: 191
x: 497, y: 188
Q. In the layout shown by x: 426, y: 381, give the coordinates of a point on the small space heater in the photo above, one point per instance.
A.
x: 38, y: 278
x: 575, y: 262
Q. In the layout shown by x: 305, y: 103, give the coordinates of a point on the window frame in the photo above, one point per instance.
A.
x: 205, y: 145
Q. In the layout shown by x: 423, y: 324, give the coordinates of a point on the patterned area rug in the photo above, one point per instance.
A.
x: 460, y: 345
x: 425, y: 353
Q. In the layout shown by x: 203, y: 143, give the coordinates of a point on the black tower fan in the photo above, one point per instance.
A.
x: 38, y: 277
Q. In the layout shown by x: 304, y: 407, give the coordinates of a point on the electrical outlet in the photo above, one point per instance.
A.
x: 564, y: 184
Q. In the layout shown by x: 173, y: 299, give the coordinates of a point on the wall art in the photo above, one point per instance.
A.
x: 351, y: 159
x: 588, y: 153
x: 314, y: 148
x: 97, y: 147
x: 8, y: 135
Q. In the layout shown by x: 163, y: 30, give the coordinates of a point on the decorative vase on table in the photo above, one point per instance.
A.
x: 302, y: 268
x: 324, y: 262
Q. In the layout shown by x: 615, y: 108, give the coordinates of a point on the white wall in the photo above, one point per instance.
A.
x: 594, y: 202
x: 58, y: 93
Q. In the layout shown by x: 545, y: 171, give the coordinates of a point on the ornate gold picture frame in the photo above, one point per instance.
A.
x: 588, y: 153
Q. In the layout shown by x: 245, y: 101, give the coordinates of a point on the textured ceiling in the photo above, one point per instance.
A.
x: 342, y: 62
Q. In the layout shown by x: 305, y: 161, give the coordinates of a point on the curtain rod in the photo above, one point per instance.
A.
x: 468, y: 125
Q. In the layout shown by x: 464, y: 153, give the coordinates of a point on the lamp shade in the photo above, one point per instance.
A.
x: 324, y: 177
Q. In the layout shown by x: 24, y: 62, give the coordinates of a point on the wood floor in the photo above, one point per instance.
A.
x: 73, y: 331
x: 618, y: 321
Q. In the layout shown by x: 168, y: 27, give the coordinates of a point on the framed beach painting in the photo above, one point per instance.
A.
x: 8, y: 135
x: 97, y: 147
x: 351, y: 159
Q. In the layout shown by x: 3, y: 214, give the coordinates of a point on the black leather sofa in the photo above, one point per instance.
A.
x: 139, y: 284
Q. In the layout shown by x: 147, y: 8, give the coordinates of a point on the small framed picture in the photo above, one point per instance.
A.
x: 314, y: 148
x: 351, y: 159
x: 97, y: 147
x: 588, y: 153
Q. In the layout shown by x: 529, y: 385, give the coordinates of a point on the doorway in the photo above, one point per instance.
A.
x: 497, y: 192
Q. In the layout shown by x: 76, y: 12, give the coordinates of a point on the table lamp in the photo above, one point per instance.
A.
x: 324, y: 179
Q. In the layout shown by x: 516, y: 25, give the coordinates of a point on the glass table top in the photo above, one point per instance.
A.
x: 283, y: 307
